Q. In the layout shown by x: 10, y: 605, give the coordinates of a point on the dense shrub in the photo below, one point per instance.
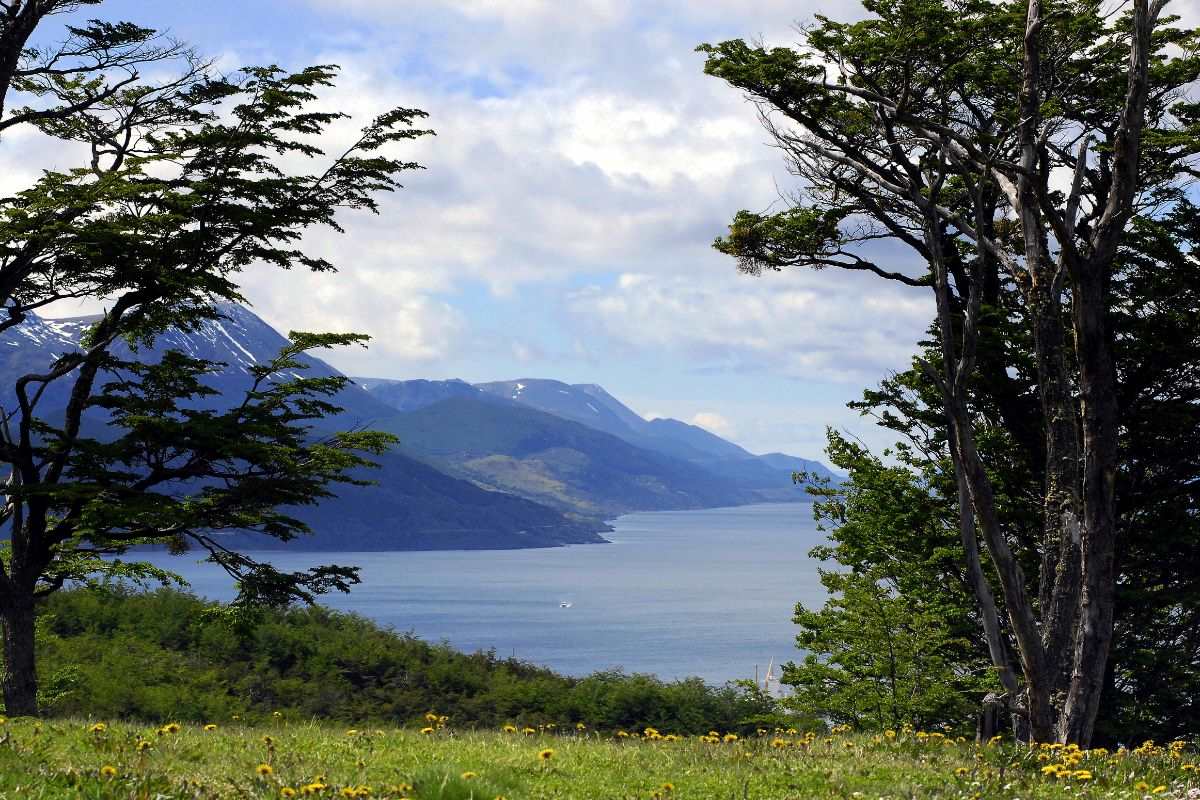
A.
x: 166, y: 655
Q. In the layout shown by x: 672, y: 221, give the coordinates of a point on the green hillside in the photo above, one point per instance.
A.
x: 558, y: 462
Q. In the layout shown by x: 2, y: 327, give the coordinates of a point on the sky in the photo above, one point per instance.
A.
x: 562, y: 226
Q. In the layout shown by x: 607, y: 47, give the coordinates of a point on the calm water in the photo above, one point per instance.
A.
x: 678, y: 593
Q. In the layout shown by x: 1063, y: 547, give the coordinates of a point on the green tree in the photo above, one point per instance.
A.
x: 1014, y: 142
x: 883, y: 518
x: 185, y: 182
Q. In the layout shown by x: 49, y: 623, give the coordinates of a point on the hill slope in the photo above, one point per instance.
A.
x: 564, y: 464
x: 413, y: 506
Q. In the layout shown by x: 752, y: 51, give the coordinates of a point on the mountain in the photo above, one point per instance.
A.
x: 414, y: 394
x: 556, y: 461
x: 591, y: 405
x: 412, y: 507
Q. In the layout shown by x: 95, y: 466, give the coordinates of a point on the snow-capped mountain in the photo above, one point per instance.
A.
x: 413, y: 506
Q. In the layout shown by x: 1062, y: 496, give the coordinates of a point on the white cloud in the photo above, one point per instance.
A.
x: 714, y: 423
x: 821, y: 326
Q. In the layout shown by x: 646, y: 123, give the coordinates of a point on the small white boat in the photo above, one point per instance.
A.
x: 564, y: 604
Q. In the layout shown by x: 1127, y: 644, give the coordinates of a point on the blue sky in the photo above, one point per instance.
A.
x: 562, y: 228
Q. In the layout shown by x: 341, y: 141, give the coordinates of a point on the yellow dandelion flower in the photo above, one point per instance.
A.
x: 264, y: 770
x: 143, y: 746
x: 287, y: 791
x: 528, y: 731
x: 667, y: 787
x: 649, y: 732
x: 349, y: 792
x: 510, y: 729
x: 99, y: 727
x: 546, y: 755
x: 579, y: 726
x: 3, y: 720
x: 210, y: 727
x: 730, y: 737
x: 352, y: 732
x: 889, y: 734
x: 362, y: 791
x: 1082, y: 774
x: 108, y: 771
x: 426, y: 730
x: 268, y: 740
x: 277, y: 714
x: 431, y: 717
x: 1141, y: 786
x: 1158, y: 790
x: 622, y: 735
x: 1051, y: 769
x: 961, y: 771
x: 171, y: 727
x: 1188, y: 768
x: 468, y: 775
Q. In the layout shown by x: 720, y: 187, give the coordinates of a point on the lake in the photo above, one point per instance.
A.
x: 677, y: 593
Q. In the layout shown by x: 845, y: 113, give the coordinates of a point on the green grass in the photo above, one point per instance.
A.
x: 68, y: 758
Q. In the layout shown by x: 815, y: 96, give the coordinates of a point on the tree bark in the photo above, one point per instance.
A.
x: 18, y: 619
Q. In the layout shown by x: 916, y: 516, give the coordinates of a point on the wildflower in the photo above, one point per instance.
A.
x: 352, y: 732
x: 995, y: 739
x: 108, y: 771
x: 778, y: 743
x: 961, y: 771
x: 264, y: 770
x: 349, y: 792
x: 510, y: 728
x: 287, y: 791
x: 1051, y: 769
x: 315, y: 787
x: 1082, y: 775
x: 99, y: 727
x: 143, y: 746
x: 431, y: 717
x: 528, y: 731
x: 546, y: 755
x: 579, y: 726
x: 3, y: 720
x: 889, y: 734
x: 622, y: 735
x: 1158, y: 790
x: 277, y: 714
x: 730, y: 737
x: 468, y: 775
x: 362, y: 791
x: 236, y: 717
x: 426, y: 730
x: 1188, y: 768
x: 1142, y: 786
x: 650, y: 733
x: 268, y: 740
x: 171, y: 727
x: 210, y: 727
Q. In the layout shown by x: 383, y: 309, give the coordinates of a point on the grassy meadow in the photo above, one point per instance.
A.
x: 87, y: 759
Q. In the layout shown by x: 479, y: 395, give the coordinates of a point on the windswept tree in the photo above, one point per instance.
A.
x: 1009, y: 143
x: 180, y: 184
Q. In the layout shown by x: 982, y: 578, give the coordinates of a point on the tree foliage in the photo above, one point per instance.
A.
x: 182, y: 183
x: 1016, y: 148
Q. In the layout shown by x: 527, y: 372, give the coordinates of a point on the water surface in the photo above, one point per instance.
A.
x: 677, y: 593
